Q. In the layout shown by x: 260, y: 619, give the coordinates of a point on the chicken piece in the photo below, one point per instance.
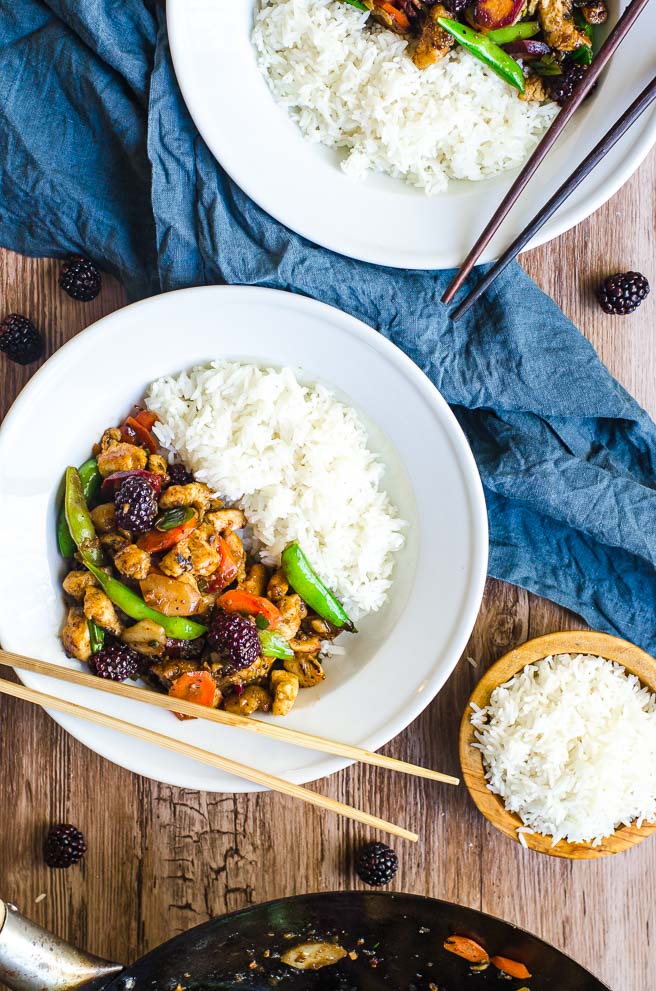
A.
x: 253, y: 697
x: 278, y: 586
x: 534, y: 90
x: 99, y: 607
x: 558, y: 25
x: 168, y: 670
x: 236, y: 548
x: 433, y: 42
x: 113, y: 543
x: 146, y: 637
x: 255, y: 581
x: 104, y: 518
x: 116, y: 455
x: 595, y: 12
x: 304, y: 644
x: 215, y: 504
x: 285, y: 691
x: 133, y: 562
x: 195, y: 494
x: 225, y: 520
x: 292, y: 611
x: 75, y: 635
x: 177, y: 561
x: 157, y: 465
x: 307, y: 669
x: 314, y: 956
x: 76, y: 584
x: 171, y: 596
x: 204, y: 559
x: 321, y: 627
x: 227, y: 678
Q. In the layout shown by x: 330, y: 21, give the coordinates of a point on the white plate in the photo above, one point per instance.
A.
x: 383, y: 220
x: 403, y: 654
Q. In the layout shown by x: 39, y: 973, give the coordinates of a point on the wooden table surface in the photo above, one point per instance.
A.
x: 162, y: 860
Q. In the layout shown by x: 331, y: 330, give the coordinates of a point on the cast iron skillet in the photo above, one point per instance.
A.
x: 401, y: 949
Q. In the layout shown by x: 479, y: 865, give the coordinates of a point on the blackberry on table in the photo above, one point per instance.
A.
x: 116, y: 662
x: 622, y: 293
x: 80, y: 278
x: 20, y: 340
x: 376, y: 864
x: 234, y: 639
x: 64, y: 846
x: 136, y: 504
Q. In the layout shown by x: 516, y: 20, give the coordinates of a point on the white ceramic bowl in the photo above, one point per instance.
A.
x: 402, y: 655
x: 383, y: 220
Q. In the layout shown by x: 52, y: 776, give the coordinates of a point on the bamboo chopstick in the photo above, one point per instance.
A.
x: 273, y: 731
x: 614, y: 39
x: 609, y: 140
x: 214, y: 760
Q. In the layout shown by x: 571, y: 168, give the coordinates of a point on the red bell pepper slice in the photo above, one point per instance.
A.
x: 146, y: 418
x: 112, y: 482
x: 226, y: 571
x: 253, y: 605
x: 134, y: 432
x: 162, y: 540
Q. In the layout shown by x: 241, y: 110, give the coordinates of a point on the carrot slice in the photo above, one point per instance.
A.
x: 511, y: 967
x: 132, y: 430
x: 194, y: 686
x: 253, y: 605
x: 146, y: 419
x: 156, y: 541
x: 466, y: 948
x: 397, y: 15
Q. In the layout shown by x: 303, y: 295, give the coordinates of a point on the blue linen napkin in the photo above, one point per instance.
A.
x: 99, y: 155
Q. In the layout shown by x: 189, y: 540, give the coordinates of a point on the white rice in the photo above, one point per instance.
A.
x: 296, y: 461
x: 355, y: 88
x: 570, y: 746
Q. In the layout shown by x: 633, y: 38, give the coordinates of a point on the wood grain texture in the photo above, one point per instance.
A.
x: 635, y: 660
x: 163, y: 859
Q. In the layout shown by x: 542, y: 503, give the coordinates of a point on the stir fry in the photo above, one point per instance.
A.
x: 163, y: 587
x: 541, y: 47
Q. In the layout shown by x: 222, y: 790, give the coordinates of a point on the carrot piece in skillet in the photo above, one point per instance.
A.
x: 466, y: 948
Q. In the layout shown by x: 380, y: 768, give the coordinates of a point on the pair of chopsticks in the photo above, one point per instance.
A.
x: 273, y: 731
x: 610, y: 139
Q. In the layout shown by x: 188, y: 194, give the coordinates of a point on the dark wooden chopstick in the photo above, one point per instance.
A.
x: 610, y: 139
x: 614, y: 39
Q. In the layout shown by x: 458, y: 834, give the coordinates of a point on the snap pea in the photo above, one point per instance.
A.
x: 274, y: 646
x: 177, y: 627
x: 583, y: 55
x: 356, y: 3
x: 91, y: 480
x: 514, y: 32
x: 79, y: 521
x: 486, y: 51
x: 304, y: 580
x: 96, y: 636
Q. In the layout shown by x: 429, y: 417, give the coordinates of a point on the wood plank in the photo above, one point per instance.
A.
x: 163, y: 859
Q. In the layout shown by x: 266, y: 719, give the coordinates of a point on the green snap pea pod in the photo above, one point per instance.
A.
x: 514, y: 32
x: 486, y: 51
x: 304, y: 580
x: 583, y: 55
x: 91, y: 480
x: 274, y: 646
x: 96, y: 636
x: 176, y: 627
x: 79, y: 521
x: 356, y: 3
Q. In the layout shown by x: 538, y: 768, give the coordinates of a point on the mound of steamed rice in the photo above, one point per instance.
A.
x: 570, y: 746
x: 355, y: 88
x: 296, y: 461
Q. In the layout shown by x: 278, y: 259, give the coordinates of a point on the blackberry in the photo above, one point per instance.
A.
x: 80, y: 278
x: 179, y: 475
x: 116, y: 662
x: 562, y: 87
x: 622, y: 293
x: 234, y: 639
x: 376, y: 864
x: 136, y: 504
x: 64, y: 846
x: 20, y: 340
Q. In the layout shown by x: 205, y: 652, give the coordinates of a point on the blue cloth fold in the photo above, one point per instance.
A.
x: 98, y: 154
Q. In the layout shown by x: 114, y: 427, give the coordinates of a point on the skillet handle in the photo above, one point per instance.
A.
x: 32, y: 959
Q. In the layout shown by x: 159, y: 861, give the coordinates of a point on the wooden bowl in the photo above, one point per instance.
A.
x: 635, y: 661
